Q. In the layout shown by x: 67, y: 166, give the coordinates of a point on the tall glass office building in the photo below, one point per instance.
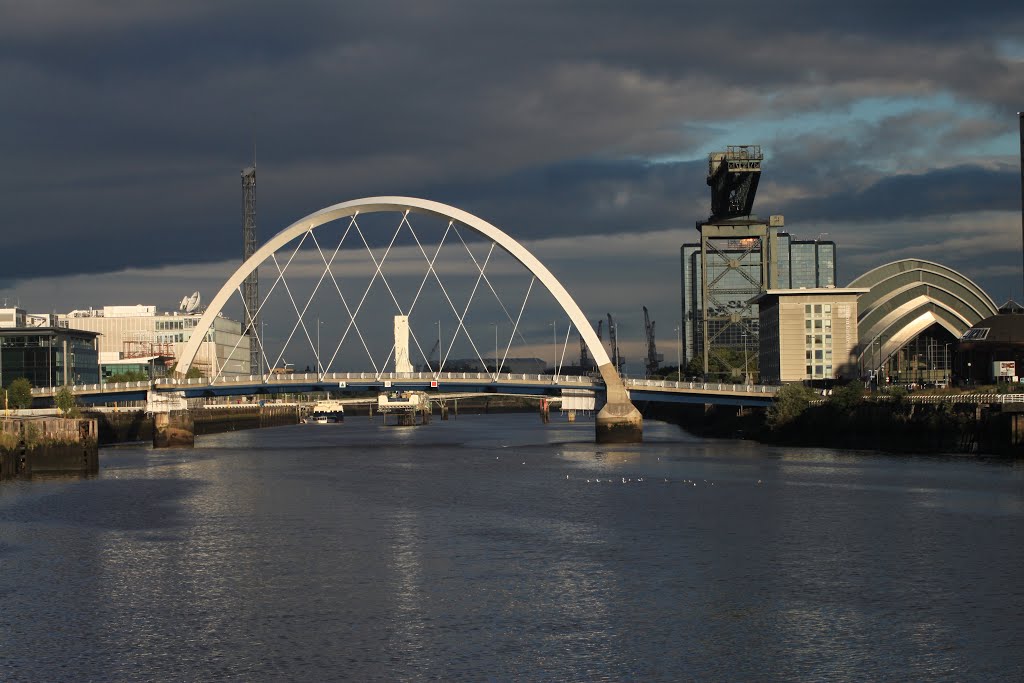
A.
x: 738, y: 272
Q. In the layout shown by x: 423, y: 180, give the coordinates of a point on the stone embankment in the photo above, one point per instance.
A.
x: 47, y: 445
x: 178, y: 428
x: 903, y: 426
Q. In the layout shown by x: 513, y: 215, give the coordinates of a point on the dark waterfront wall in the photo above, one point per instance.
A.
x: 132, y: 426
x: 47, y: 445
x: 230, y: 419
x: 884, y: 425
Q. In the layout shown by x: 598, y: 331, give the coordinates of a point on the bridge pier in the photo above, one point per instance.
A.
x: 618, y: 421
x: 174, y: 429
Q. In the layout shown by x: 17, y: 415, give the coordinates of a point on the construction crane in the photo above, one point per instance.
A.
x: 430, y: 354
x: 653, y: 357
x: 584, y: 358
x: 613, y: 344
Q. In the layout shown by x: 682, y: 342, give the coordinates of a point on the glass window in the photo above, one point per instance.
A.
x: 817, y: 309
x: 828, y: 308
x: 817, y: 338
x: 807, y: 324
x: 828, y: 323
x: 817, y: 324
x: 819, y: 355
x: 809, y: 370
x: 807, y: 309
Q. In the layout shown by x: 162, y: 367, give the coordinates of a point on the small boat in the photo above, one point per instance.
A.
x: 326, y: 412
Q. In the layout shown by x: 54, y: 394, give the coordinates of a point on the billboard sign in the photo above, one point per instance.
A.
x: 1004, y: 368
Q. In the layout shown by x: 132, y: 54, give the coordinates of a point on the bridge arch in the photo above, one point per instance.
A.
x: 618, y: 400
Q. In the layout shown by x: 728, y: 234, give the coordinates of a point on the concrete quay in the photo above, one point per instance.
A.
x: 47, y: 445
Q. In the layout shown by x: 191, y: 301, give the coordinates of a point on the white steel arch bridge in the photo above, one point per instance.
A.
x: 618, y: 420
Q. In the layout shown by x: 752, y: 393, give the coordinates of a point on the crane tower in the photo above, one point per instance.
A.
x: 737, y: 262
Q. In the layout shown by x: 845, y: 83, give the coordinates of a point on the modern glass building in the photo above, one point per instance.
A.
x: 48, y: 356
x: 740, y: 269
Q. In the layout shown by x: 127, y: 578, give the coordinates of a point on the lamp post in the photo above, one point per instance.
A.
x: 319, y: 368
x: 495, y: 349
x: 439, y: 355
x: 746, y: 367
x: 554, y: 346
x: 679, y: 353
x: 259, y: 341
x: 945, y: 360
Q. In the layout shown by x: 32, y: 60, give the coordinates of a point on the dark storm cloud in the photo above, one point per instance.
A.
x: 124, y: 125
x: 942, y: 192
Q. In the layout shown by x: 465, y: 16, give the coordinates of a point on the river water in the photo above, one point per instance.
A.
x: 495, y: 548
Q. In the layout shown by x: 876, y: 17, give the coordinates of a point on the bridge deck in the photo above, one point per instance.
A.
x: 642, y: 390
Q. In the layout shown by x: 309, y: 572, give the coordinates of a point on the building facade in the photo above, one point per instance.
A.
x: 48, y: 356
x: 140, y: 331
x: 808, y: 334
x: 743, y: 259
x: 911, y: 319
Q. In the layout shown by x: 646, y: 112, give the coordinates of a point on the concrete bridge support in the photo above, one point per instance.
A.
x: 174, y: 429
x: 618, y: 421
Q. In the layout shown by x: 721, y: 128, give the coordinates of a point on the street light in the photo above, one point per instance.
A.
x: 679, y: 352
x: 319, y: 367
x: 439, y: 346
x: 495, y: 349
x: 945, y: 360
x: 746, y: 366
x: 259, y: 343
x: 554, y: 344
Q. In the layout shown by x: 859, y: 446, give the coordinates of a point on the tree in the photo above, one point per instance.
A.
x: 845, y: 399
x: 128, y: 376
x: 790, y: 402
x: 65, y: 401
x: 19, y: 393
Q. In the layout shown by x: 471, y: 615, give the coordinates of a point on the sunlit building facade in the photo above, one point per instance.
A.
x: 742, y: 268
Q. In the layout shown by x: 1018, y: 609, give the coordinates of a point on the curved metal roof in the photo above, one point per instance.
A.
x: 908, y: 296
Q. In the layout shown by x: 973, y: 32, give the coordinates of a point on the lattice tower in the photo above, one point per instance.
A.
x: 251, y: 286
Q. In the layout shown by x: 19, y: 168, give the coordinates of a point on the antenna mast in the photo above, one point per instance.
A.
x: 251, y: 286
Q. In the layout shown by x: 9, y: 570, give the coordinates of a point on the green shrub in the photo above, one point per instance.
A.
x: 19, y: 393
x: 790, y: 402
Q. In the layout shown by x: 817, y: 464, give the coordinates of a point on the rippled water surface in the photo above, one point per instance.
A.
x: 497, y: 548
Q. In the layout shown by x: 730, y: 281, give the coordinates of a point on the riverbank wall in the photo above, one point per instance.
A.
x: 48, y: 445
x: 129, y: 426
x: 901, y: 426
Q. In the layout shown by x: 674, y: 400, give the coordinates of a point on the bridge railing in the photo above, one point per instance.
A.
x: 333, y: 377
x: 702, y: 386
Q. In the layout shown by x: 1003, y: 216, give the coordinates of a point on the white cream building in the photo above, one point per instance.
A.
x: 808, y: 334
x: 139, y: 330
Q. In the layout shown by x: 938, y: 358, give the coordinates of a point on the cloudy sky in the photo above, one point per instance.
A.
x: 579, y: 127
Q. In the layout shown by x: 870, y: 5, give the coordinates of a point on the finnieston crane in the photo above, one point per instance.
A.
x: 653, y: 357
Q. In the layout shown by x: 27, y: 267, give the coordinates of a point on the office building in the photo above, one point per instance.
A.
x: 808, y: 334
x: 755, y: 258
x: 47, y: 356
x: 139, y: 331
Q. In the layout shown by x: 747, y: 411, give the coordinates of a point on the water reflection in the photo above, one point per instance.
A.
x: 493, y: 547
